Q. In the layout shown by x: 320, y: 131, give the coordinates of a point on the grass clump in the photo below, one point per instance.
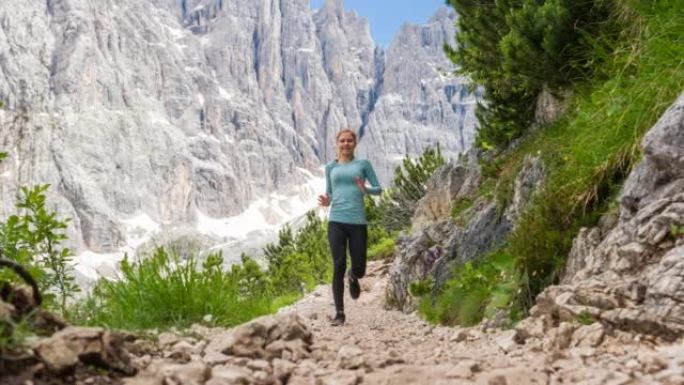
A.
x: 164, y: 291
x: 421, y: 287
x: 383, y: 249
x: 585, y: 318
x: 476, y: 290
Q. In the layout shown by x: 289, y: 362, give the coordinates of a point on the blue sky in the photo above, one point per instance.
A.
x: 386, y: 16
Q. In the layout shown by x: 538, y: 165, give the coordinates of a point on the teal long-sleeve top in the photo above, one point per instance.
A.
x: 346, y: 197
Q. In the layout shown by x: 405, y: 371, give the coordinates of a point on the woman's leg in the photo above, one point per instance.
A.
x: 358, y: 248
x: 337, y: 238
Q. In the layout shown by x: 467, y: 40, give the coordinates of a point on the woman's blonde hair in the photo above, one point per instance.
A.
x: 337, y: 137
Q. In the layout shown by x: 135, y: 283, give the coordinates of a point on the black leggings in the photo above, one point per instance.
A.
x: 338, y: 236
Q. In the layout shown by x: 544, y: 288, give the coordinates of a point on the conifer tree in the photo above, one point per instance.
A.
x: 398, y: 205
x: 514, y: 49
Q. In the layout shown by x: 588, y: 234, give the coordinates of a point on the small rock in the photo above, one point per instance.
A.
x: 282, y: 369
x: 507, y: 340
x: 459, y: 336
x: 160, y: 372
x: 532, y: 327
x: 344, y: 377
x: 6, y: 310
x: 141, y: 362
x: 215, y: 358
x: 588, y: 335
x: 651, y: 362
x: 181, y: 347
x: 166, y: 339
x: 350, y: 357
x: 94, y: 346
x: 229, y: 375
x: 262, y: 365
x: 464, y: 369
x: 260, y: 376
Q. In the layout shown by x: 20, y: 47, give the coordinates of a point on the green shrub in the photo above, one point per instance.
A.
x: 476, y: 290
x: 382, y: 249
x: 33, y: 239
x: 585, y: 318
x: 421, y: 287
x: 589, y: 153
x: 676, y: 231
x: 398, y: 203
x: 163, y: 291
x: 299, y: 262
x: 514, y: 49
x: 14, y: 335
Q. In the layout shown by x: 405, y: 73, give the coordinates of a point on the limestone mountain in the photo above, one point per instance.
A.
x: 167, y: 111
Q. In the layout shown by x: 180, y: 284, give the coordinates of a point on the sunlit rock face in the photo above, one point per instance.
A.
x: 420, y: 102
x: 177, y: 110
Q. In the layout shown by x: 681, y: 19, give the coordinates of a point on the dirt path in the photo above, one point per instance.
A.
x: 298, y: 346
x: 378, y: 346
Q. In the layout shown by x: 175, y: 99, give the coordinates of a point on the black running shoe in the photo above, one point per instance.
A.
x: 338, y: 320
x: 354, y: 287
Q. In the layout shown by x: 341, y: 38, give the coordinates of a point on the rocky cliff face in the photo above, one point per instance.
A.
x: 437, y: 242
x: 420, y: 102
x: 627, y: 272
x: 173, y: 110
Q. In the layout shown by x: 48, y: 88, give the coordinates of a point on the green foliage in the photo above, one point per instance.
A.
x: 382, y: 249
x: 33, y: 238
x: 399, y: 202
x: 461, y: 205
x: 165, y: 290
x: 589, y: 153
x: 410, y: 179
x: 514, y: 49
x: 476, y: 290
x: 15, y: 334
x: 676, y: 231
x: 585, y: 318
x: 586, y: 154
x: 299, y: 262
x: 421, y: 287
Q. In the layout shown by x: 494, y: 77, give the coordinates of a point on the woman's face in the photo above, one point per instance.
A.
x: 346, y: 144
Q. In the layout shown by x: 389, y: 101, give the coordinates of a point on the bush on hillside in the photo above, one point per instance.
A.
x: 586, y: 154
x: 397, y: 205
x: 514, y: 49
x: 33, y: 238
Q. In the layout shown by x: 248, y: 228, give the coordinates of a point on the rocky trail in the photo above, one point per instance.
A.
x: 298, y: 346
x: 378, y: 346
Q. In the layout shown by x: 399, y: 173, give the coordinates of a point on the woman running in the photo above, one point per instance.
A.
x: 345, y: 187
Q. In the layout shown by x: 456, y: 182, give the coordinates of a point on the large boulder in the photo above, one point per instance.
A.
x: 448, y: 183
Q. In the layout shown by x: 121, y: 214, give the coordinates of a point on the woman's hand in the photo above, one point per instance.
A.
x: 361, y: 184
x: 324, y: 200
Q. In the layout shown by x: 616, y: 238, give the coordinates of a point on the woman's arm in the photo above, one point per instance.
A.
x: 375, y: 188
x: 328, y: 185
x: 324, y: 200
